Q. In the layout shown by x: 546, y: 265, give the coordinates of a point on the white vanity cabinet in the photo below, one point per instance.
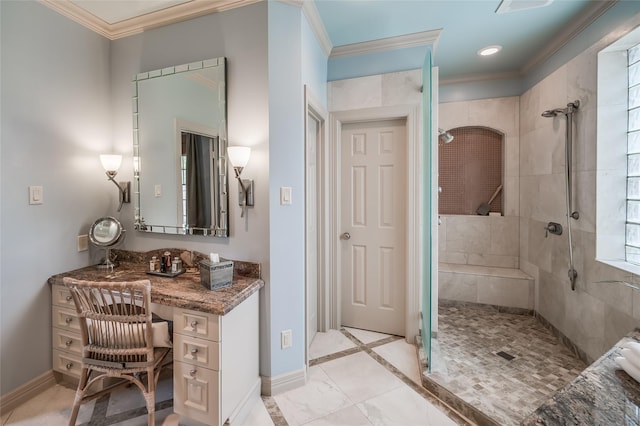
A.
x: 215, y: 364
x: 65, y: 333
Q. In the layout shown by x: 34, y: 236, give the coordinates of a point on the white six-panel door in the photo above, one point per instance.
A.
x: 373, y: 225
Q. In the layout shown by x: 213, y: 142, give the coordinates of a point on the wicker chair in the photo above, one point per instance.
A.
x: 117, y: 336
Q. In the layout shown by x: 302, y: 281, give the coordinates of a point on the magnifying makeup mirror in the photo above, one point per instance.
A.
x: 106, y: 232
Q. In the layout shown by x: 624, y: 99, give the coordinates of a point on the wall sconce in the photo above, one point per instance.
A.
x: 239, y: 157
x: 111, y: 164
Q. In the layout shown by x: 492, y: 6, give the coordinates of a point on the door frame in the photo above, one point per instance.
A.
x: 330, y: 239
x: 312, y: 107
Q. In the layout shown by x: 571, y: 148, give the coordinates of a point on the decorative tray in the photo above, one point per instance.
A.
x: 166, y: 274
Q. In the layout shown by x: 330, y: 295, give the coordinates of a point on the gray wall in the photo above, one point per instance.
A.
x: 55, y: 121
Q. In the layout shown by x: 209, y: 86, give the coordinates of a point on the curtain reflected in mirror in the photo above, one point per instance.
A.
x: 198, y: 201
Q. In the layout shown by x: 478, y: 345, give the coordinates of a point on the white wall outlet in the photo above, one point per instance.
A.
x: 36, y: 195
x: 83, y: 242
x: 157, y: 191
x: 285, y: 339
x: 285, y: 196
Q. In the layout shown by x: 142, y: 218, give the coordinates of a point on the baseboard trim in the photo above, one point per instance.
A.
x: 11, y: 400
x: 274, y: 385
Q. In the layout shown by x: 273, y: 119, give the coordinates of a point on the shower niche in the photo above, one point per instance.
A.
x: 471, y: 170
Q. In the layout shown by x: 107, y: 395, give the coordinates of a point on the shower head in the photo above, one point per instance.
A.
x: 553, y: 112
x: 445, y: 136
x: 570, y: 109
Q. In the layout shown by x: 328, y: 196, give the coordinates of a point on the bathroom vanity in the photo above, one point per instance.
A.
x: 215, y: 339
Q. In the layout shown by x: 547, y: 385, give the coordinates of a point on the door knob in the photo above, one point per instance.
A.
x: 345, y: 236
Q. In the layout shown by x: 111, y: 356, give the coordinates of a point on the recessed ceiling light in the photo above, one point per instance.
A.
x: 489, y: 50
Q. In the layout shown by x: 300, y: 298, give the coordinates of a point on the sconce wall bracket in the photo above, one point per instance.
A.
x: 248, y: 186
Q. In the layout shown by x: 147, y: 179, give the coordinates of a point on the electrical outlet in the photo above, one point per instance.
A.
x: 285, y: 339
x: 83, y: 242
x: 36, y: 195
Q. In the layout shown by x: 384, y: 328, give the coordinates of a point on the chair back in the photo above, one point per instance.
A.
x: 115, y: 322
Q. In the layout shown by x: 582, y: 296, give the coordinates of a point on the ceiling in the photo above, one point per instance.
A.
x: 456, y: 28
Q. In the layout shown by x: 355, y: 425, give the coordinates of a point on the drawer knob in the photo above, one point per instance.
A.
x: 194, y: 351
x: 194, y: 323
x: 68, y: 320
x: 69, y: 298
x: 68, y: 342
x: 69, y: 365
x: 192, y: 373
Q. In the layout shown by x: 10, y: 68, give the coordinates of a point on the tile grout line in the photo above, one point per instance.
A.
x: 419, y: 389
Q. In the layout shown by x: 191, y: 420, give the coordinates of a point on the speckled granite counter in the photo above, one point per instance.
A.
x: 603, y: 394
x: 183, y: 291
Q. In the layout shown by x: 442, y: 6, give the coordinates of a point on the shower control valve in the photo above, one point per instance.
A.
x: 554, y: 228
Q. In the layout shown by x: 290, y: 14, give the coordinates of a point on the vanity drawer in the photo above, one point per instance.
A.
x: 61, y: 296
x: 67, y: 363
x: 66, y: 319
x: 65, y: 340
x: 196, y: 324
x: 196, y: 393
x: 196, y: 351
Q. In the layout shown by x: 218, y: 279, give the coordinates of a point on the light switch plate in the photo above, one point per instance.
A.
x: 285, y: 196
x: 36, y: 195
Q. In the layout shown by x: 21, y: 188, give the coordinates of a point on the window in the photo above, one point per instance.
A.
x: 618, y: 154
x: 632, y: 238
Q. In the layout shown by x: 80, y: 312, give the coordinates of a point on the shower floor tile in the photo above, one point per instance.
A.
x: 504, y: 365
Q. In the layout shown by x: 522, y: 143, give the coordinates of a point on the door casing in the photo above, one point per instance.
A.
x: 329, y: 167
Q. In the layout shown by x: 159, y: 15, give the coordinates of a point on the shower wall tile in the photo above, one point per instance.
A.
x: 461, y: 287
x: 582, y: 72
x: 551, y: 301
x: 552, y: 200
x: 512, y: 191
x: 585, y: 147
x: 511, y: 292
x: 585, y: 320
x: 402, y: 88
x: 615, y: 322
x: 468, y: 233
x: 524, y: 239
x: 512, y: 156
x: 529, y: 103
x: 457, y: 258
x: 504, y: 230
x: 585, y: 200
x: 536, y: 152
x: 529, y: 193
x: 453, y: 114
x: 553, y: 91
x: 539, y: 247
x: 355, y: 93
x: 498, y: 261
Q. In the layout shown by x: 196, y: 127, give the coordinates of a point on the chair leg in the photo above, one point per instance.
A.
x: 80, y: 392
x: 150, y: 397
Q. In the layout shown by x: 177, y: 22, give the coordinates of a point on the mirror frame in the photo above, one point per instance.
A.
x: 114, y: 240
x: 221, y: 226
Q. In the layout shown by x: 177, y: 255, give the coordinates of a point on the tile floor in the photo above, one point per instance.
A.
x: 471, y: 336
x: 356, y: 377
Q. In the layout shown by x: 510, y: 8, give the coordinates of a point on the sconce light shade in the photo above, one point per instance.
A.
x: 239, y: 156
x: 111, y: 163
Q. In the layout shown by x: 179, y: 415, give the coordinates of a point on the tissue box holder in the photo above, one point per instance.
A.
x: 216, y: 275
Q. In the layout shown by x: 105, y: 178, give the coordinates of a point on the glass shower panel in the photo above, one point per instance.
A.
x: 427, y: 211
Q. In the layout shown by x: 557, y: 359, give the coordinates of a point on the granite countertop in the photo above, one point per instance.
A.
x: 182, y: 291
x: 603, y: 394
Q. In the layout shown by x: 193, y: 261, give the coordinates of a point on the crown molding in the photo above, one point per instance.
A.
x: 389, y: 43
x: 317, y: 26
x: 593, y: 12
x: 169, y: 15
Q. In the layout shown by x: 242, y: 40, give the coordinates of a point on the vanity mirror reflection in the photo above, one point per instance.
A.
x: 179, y: 149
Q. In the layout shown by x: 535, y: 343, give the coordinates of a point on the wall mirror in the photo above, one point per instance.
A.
x: 179, y: 149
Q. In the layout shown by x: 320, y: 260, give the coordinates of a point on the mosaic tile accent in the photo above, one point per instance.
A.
x: 495, y: 390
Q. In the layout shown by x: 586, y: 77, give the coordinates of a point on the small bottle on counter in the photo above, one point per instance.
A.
x: 174, y: 265
x: 152, y: 264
